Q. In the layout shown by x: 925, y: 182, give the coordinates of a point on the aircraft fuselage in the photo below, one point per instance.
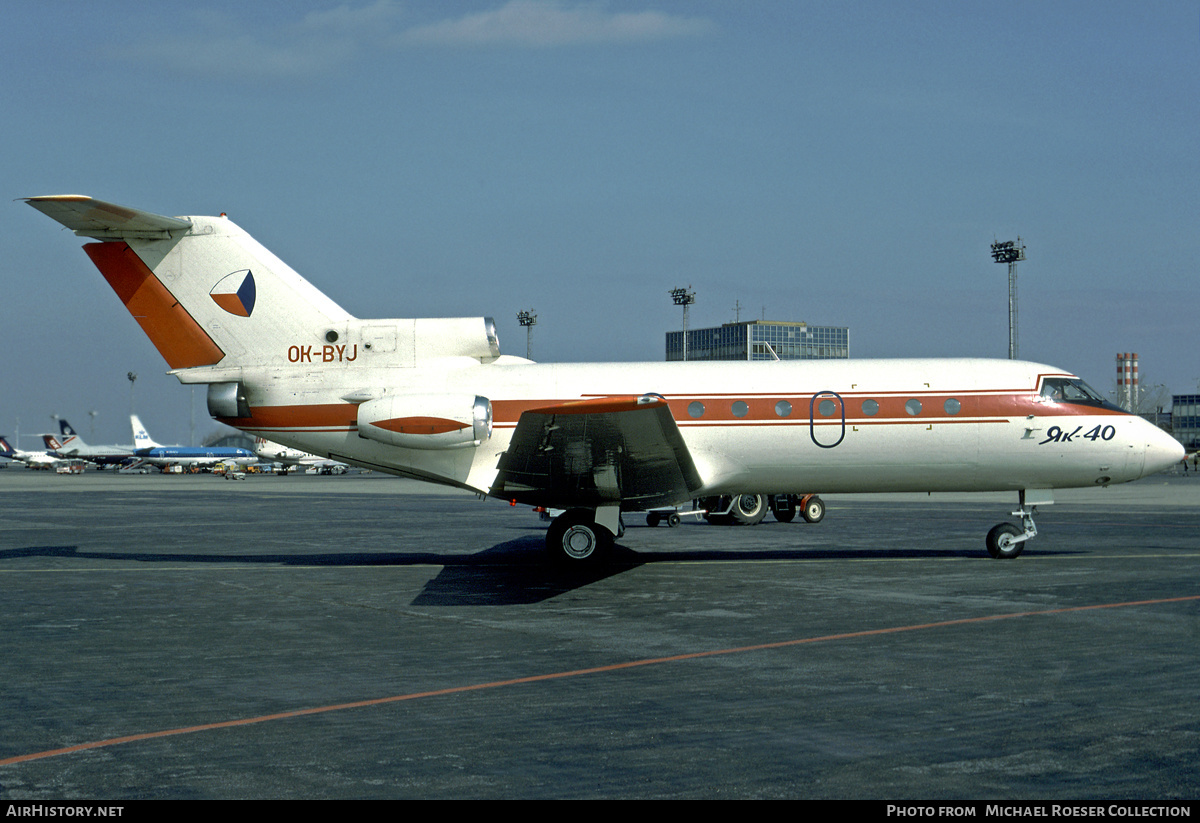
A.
x: 837, y: 426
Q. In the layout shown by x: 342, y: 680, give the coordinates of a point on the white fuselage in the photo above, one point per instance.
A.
x: 799, y: 426
x: 164, y: 456
x: 36, y: 460
x: 276, y: 453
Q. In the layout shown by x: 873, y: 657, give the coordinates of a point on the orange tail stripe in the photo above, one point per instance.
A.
x: 176, y: 335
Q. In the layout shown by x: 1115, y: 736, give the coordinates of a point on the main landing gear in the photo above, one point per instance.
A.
x: 1007, y: 540
x: 581, y: 537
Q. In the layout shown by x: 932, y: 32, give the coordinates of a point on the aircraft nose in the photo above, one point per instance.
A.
x: 1162, y: 451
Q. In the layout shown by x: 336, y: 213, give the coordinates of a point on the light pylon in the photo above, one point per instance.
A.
x: 1010, y: 252
x: 685, y: 298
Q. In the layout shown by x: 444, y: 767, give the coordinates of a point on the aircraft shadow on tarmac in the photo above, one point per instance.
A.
x: 513, y: 572
x: 517, y: 572
x: 508, y: 573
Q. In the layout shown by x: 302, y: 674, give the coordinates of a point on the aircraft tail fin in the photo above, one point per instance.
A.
x: 202, y: 289
x: 69, y: 438
x: 5, y: 449
x: 141, y: 439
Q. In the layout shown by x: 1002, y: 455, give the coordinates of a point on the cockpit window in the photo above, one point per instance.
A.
x: 1073, y: 390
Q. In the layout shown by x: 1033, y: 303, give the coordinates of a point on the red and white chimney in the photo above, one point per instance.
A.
x: 1127, y: 381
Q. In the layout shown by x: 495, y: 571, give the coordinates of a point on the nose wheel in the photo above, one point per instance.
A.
x: 1007, y: 540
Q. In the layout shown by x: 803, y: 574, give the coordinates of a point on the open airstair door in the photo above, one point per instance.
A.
x: 598, y: 452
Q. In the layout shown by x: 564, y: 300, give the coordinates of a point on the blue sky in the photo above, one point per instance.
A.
x: 843, y: 163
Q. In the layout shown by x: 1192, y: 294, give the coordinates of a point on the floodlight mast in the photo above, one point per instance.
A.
x: 132, y: 382
x: 1010, y: 252
x: 528, y: 319
x: 685, y: 298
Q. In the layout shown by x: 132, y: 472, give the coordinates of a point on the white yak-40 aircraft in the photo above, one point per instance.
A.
x: 435, y: 400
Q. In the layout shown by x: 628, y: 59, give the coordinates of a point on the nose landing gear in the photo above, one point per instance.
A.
x: 1006, y: 540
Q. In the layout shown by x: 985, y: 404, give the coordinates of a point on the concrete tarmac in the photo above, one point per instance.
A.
x: 369, y: 637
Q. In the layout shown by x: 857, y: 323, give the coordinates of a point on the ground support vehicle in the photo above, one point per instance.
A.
x: 750, y: 509
x: 672, y: 516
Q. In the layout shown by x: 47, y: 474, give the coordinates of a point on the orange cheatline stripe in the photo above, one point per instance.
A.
x: 760, y: 410
x: 595, y: 405
x: 340, y: 415
x: 516, y: 681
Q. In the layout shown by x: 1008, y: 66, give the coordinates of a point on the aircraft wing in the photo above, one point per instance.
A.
x: 598, y: 452
x: 105, y: 221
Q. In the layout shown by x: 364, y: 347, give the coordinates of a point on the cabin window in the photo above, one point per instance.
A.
x: 952, y: 406
x: 913, y: 406
x: 783, y: 408
x: 740, y: 408
x: 826, y: 408
x: 696, y: 408
x: 870, y: 408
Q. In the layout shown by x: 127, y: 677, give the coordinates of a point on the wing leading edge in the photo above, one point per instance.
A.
x: 598, y: 452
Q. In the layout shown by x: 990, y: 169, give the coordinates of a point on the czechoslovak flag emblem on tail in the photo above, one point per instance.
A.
x: 235, y: 293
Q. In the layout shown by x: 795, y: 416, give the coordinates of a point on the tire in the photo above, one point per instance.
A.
x: 749, y: 509
x: 653, y: 519
x: 673, y: 520
x: 1000, y: 543
x: 574, y: 539
x: 814, y: 509
x: 785, y: 512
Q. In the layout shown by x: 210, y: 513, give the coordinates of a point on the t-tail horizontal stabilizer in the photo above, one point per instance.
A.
x: 88, y: 217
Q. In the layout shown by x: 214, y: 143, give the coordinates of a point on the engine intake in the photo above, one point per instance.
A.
x: 227, y: 400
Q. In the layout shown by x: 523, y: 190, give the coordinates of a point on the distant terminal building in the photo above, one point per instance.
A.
x: 762, y: 340
x: 1185, y: 420
x: 235, y: 439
